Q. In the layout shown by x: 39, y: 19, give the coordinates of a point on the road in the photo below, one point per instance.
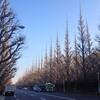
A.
x: 30, y: 95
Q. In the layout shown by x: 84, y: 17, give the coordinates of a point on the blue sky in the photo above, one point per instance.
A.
x: 44, y: 18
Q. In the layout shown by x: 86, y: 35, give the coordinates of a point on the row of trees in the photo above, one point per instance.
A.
x: 10, y: 43
x: 78, y: 64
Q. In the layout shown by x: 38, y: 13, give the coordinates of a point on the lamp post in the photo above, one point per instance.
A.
x: 98, y: 82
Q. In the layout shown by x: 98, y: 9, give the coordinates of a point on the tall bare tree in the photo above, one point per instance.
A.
x: 46, y: 67
x: 58, y: 65
x: 10, y: 42
x: 50, y: 65
x: 76, y: 60
x: 67, y: 58
x: 82, y: 44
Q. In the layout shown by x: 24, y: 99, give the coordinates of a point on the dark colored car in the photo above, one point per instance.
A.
x: 9, y: 90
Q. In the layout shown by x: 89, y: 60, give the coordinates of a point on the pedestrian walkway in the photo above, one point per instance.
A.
x: 2, y: 97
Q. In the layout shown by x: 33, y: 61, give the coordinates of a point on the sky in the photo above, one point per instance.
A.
x: 43, y: 19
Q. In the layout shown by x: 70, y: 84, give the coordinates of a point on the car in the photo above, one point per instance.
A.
x: 36, y: 88
x: 25, y: 88
x: 43, y: 88
x: 9, y: 90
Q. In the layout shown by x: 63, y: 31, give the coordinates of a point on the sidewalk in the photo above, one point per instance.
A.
x: 2, y: 98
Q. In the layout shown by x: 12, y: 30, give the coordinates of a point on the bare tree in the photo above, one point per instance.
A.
x: 46, y: 67
x: 76, y: 60
x: 50, y: 65
x: 58, y: 65
x: 98, y: 40
x: 10, y: 42
x: 82, y: 45
x: 67, y: 58
x: 89, y: 42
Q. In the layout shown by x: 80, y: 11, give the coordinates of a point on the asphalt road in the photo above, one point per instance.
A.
x: 30, y: 95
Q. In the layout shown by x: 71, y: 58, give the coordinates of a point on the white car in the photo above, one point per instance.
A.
x: 9, y: 90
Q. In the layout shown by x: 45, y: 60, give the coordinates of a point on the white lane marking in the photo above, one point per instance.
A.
x: 15, y: 96
x: 42, y: 99
x: 32, y: 95
x: 66, y: 98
